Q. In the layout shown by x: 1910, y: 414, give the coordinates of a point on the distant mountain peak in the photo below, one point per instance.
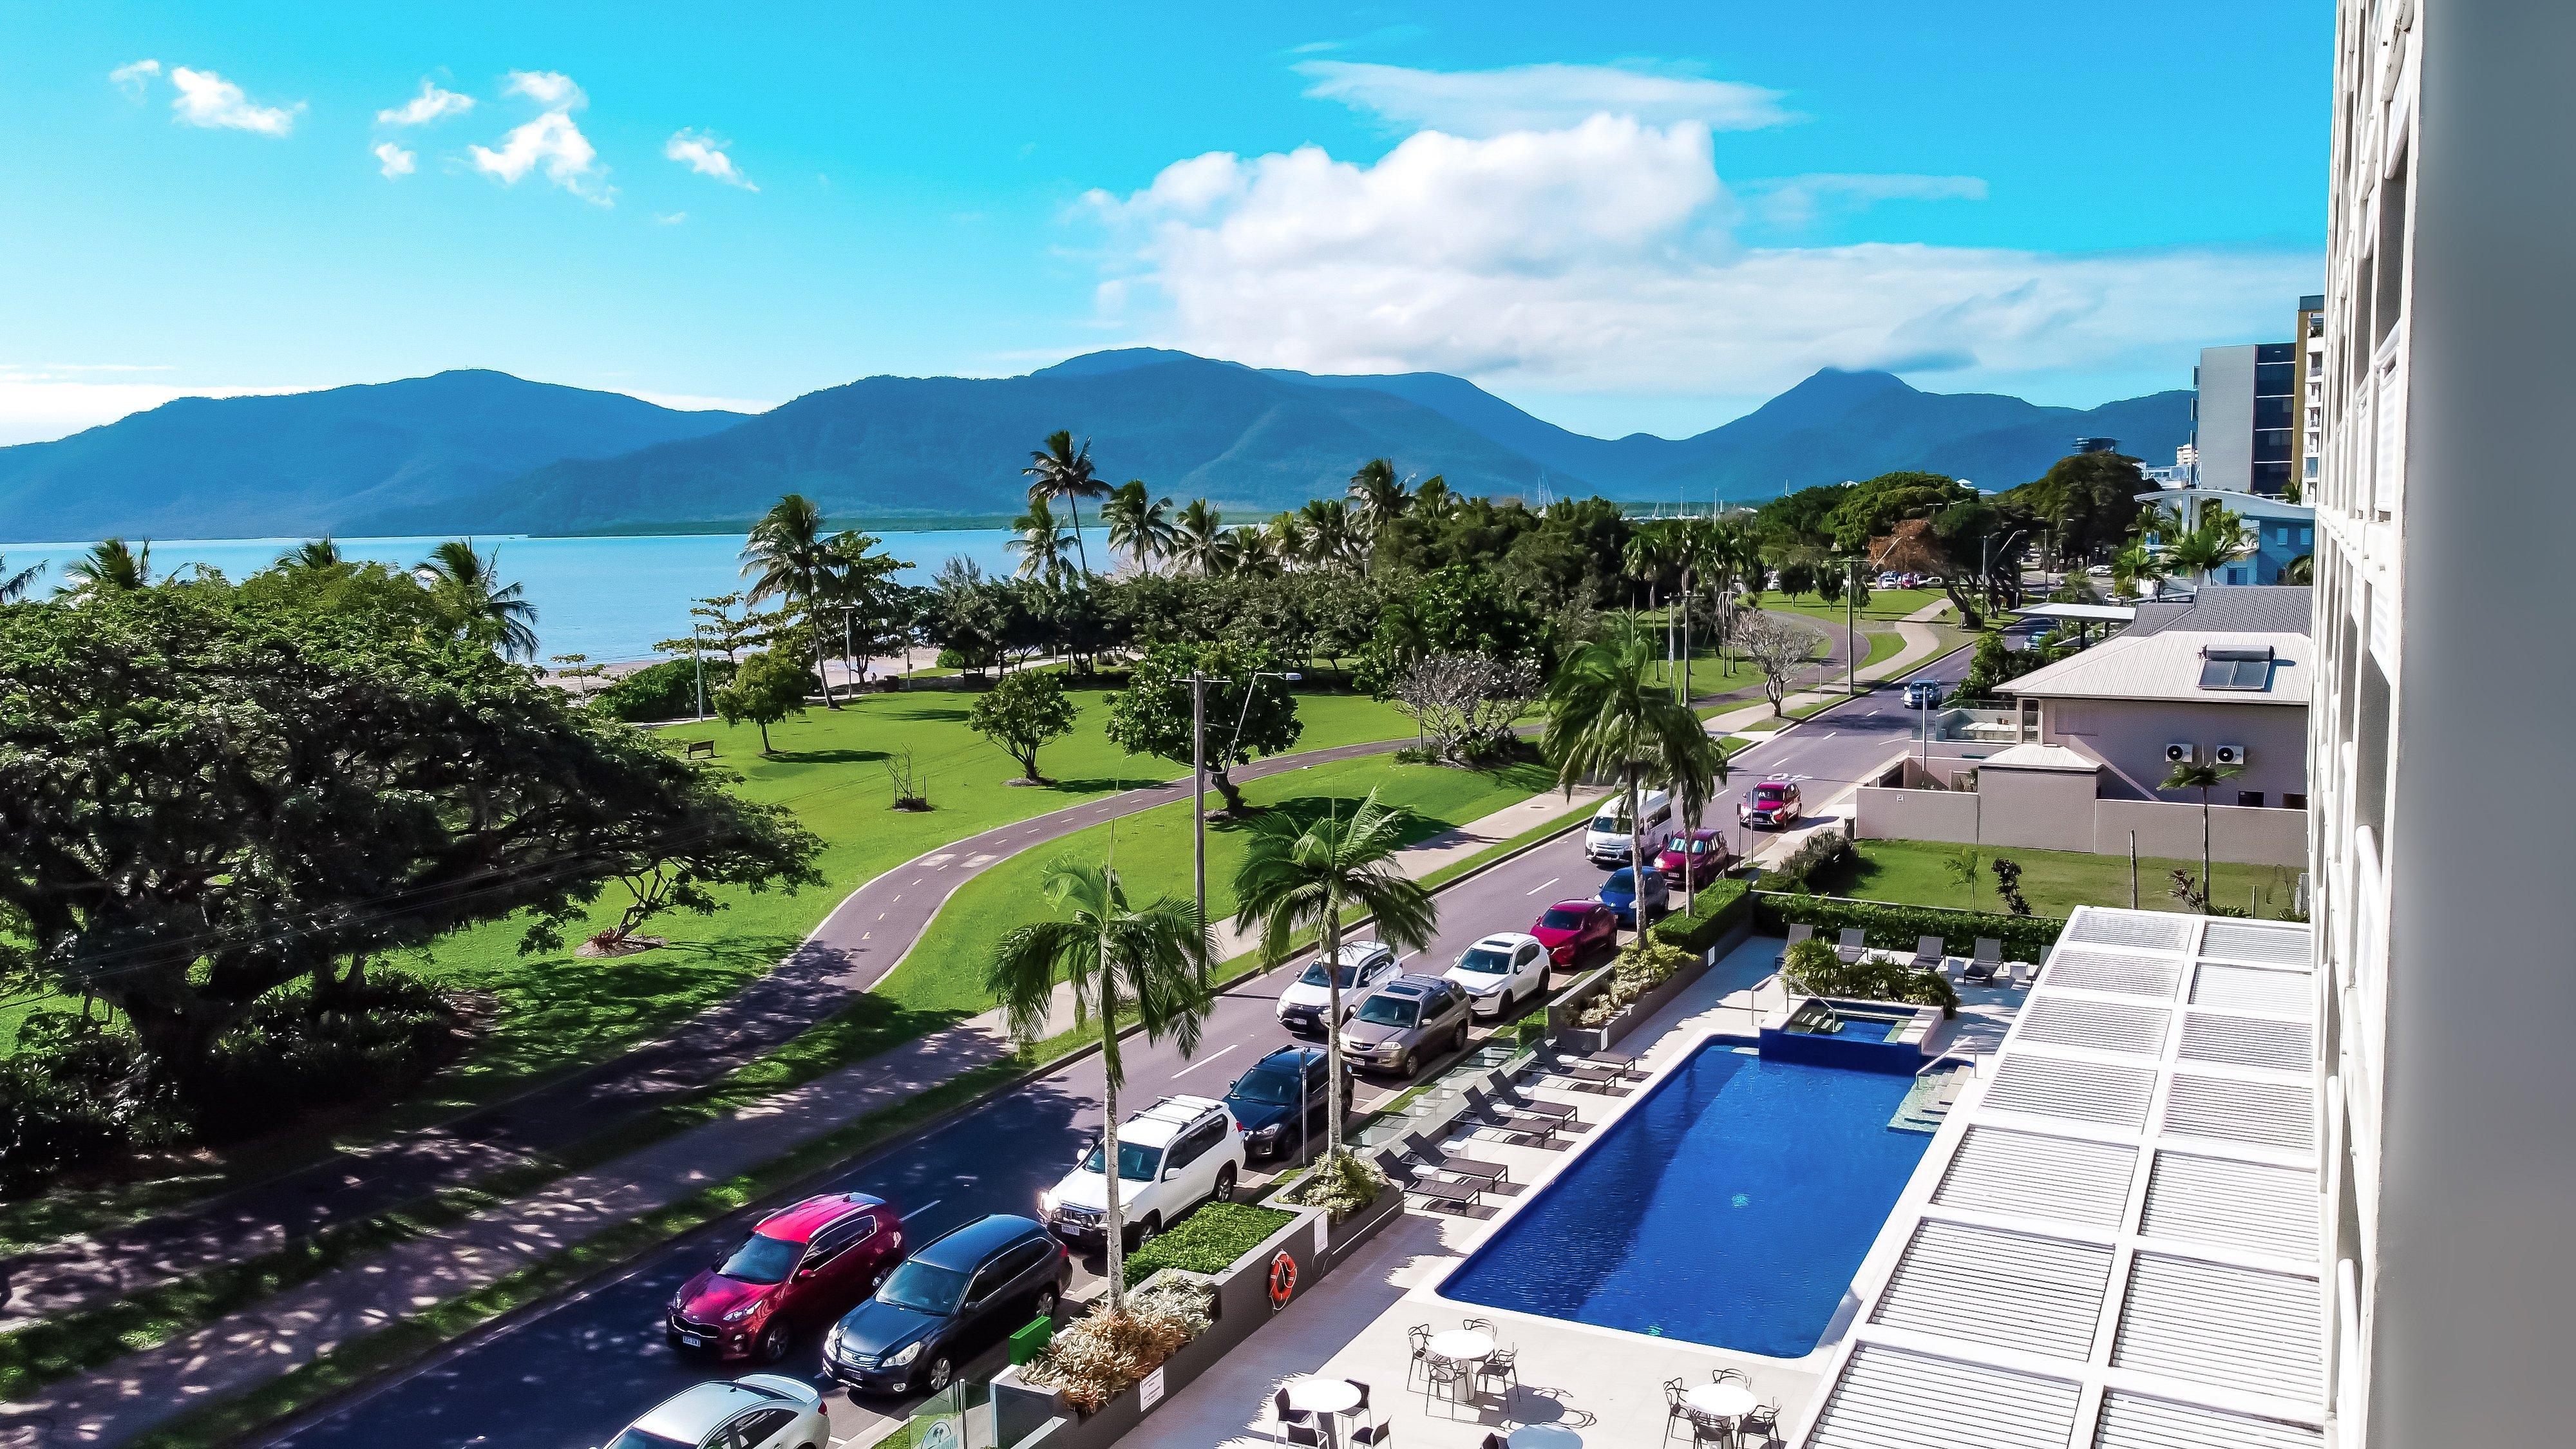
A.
x: 1124, y: 359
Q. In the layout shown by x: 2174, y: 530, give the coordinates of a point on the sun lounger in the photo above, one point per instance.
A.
x: 1988, y: 961
x: 1509, y: 1118
x: 1928, y: 953
x: 1851, y: 948
x: 1423, y: 1152
x: 1557, y: 1110
x: 1440, y: 1189
x: 1796, y: 934
x: 1593, y: 1076
x: 1619, y: 1062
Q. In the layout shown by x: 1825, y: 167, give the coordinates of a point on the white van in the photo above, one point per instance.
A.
x: 1605, y: 840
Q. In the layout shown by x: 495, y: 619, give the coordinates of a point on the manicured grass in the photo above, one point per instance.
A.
x: 553, y: 1011
x: 1915, y: 872
x: 1152, y: 852
x: 1207, y: 1241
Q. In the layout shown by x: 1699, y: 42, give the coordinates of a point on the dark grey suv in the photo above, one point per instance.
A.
x: 1404, y: 1021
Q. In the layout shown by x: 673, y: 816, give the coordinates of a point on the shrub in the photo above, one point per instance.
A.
x: 1094, y: 1359
x: 1340, y: 1186
x: 1715, y: 910
x: 1207, y: 1241
x: 1824, y: 851
x: 668, y: 690
x: 1894, y: 928
x: 1643, y: 964
x: 1818, y: 970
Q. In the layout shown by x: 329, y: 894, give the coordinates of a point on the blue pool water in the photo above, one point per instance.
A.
x: 1866, y: 1028
x: 1730, y: 1207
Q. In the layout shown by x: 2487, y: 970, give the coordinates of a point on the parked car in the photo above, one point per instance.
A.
x: 947, y: 1303
x: 1174, y: 1155
x: 1698, y: 857
x: 756, y: 1411
x: 1404, y: 1021
x: 1264, y: 1100
x: 1887, y: 579
x: 1365, y: 966
x: 1500, y: 972
x: 1620, y: 894
x: 1572, y: 930
x: 800, y: 1266
x: 1922, y: 693
x: 1774, y: 803
x: 1605, y: 840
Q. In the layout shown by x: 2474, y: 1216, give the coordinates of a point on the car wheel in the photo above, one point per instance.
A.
x: 936, y: 1377
x: 1224, y: 1184
x: 773, y: 1343
x: 1458, y: 1043
x: 1047, y: 1298
x: 1145, y: 1231
x: 1405, y: 1067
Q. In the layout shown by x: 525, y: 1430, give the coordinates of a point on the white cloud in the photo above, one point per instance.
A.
x: 554, y: 145
x: 1540, y: 97
x: 552, y: 89
x: 1599, y: 259
x: 433, y: 103
x: 395, y: 161
x: 670, y: 218
x: 705, y: 155
x: 134, y: 79
x: 207, y: 99
x: 1800, y: 200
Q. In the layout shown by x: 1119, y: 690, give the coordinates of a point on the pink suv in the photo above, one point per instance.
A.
x: 801, y: 1265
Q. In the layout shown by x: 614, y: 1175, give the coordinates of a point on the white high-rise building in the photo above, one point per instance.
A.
x: 2441, y: 795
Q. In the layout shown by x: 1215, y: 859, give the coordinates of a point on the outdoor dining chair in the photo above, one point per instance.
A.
x: 1293, y: 1426
x: 1369, y: 1430
x: 1439, y: 1373
x: 1710, y: 1428
x: 1419, y: 1335
x: 1764, y: 1419
x: 1676, y: 1412
x: 1502, y: 1365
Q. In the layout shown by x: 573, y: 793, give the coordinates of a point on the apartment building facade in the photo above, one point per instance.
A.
x: 2440, y: 795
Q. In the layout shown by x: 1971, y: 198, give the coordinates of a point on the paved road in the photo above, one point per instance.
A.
x: 570, y: 1374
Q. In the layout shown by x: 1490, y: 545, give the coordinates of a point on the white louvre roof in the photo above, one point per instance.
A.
x: 2115, y: 1240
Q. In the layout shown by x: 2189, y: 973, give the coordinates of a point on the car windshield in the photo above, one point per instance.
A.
x: 1621, y: 881
x: 1135, y: 1163
x: 1486, y: 961
x: 1270, y: 1089
x: 923, y: 1288
x: 1349, y: 972
x: 1390, y: 1011
x: 1770, y: 794
x: 638, y: 1439
x: 762, y: 1260
x: 1556, y: 920
x: 1695, y: 847
x: 1613, y: 818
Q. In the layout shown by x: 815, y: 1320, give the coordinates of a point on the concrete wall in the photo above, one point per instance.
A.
x: 2130, y: 736
x: 2223, y: 419
x: 2029, y: 818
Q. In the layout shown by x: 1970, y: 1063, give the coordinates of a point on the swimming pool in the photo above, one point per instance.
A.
x: 1730, y: 1207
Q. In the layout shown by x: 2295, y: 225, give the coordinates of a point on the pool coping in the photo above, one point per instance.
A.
x: 1677, y: 1045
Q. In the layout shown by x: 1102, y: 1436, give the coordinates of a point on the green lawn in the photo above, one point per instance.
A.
x: 1152, y: 852
x: 1915, y: 872
x: 552, y: 1011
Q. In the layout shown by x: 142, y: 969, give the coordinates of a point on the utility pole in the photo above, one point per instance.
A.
x: 699, y: 665
x: 1851, y: 630
x: 1198, y: 789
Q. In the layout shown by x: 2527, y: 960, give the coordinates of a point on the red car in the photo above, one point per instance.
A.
x: 1700, y: 857
x: 801, y: 1265
x: 1571, y: 930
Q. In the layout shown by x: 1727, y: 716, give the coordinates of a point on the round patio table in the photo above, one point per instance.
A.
x: 1727, y: 1401
x: 1544, y: 1436
x: 1463, y: 1345
x: 1327, y: 1399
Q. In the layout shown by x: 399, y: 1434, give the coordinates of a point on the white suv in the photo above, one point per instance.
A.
x: 1500, y: 972
x: 1174, y: 1155
x: 1366, y: 966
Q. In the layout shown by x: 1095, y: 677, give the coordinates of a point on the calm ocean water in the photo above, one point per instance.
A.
x: 609, y: 598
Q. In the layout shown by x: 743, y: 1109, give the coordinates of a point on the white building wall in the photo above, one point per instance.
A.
x: 2440, y: 783
x: 2222, y: 419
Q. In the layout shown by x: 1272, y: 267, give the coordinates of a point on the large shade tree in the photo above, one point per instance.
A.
x: 207, y: 794
x: 1248, y: 710
x: 1120, y: 962
x: 1308, y: 876
x: 1604, y: 721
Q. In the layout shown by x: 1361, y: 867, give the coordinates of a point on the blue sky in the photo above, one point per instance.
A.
x: 1622, y: 217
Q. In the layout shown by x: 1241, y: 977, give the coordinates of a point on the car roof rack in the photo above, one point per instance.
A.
x: 1180, y: 1110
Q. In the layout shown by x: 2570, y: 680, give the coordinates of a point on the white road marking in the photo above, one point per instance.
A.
x: 1551, y: 880
x: 1203, y: 1061
x: 925, y: 1207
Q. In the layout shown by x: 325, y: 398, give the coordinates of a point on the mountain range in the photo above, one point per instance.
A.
x: 485, y: 452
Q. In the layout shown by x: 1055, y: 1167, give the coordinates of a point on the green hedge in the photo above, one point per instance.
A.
x: 1894, y: 928
x: 1207, y: 1241
x: 1719, y: 905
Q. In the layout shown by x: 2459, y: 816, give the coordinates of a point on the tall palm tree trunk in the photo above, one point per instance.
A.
x: 2207, y: 896
x: 1332, y: 940
x: 814, y: 625
x: 1074, y: 502
x: 1113, y: 1219
x: 1637, y: 850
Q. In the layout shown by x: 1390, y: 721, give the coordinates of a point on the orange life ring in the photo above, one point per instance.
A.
x: 1283, y: 1279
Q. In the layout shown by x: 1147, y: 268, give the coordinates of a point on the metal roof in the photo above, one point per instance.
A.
x: 2089, y: 613
x: 2169, y: 664
x: 2115, y: 1239
x: 2232, y: 609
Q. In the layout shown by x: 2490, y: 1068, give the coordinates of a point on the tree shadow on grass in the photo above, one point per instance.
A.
x: 949, y: 714
x: 828, y: 757
x: 1103, y: 784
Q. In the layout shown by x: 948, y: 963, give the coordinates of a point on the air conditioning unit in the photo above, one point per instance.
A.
x: 2181, y: 754
x: 2231, y: 754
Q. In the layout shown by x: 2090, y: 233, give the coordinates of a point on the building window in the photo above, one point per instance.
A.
x: 2293, y: 800
x: 2251, y: 798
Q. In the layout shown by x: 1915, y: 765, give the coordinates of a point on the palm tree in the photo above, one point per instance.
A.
x: 2219, y: 541
x: 794, y: 559
x: 1307, y: 877
x: 13, y: 587
x: 469, y: 591
x: 313, y: 555
x: 1378, y: 499
x: 1434, y: 501
x: 1119, y: 960
x: 1251, y: 551
x: 110, y: 567
x: 1143, y: 528
x: 2204, y: 778
x: 1039, y: 541
x: 2134, y: 567
x: 1198, y: 538
x: 1289, y: 539
x: 1064, y: 471
x: 1603, y: 718
x: 1331, y: 538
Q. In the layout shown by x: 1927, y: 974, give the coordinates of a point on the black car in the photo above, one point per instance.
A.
x: 1264, y: 1100
x: 946, y: 1303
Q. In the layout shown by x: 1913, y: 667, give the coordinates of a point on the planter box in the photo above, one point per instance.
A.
x: 1581, y: 1040
x: 1242, y: 1306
